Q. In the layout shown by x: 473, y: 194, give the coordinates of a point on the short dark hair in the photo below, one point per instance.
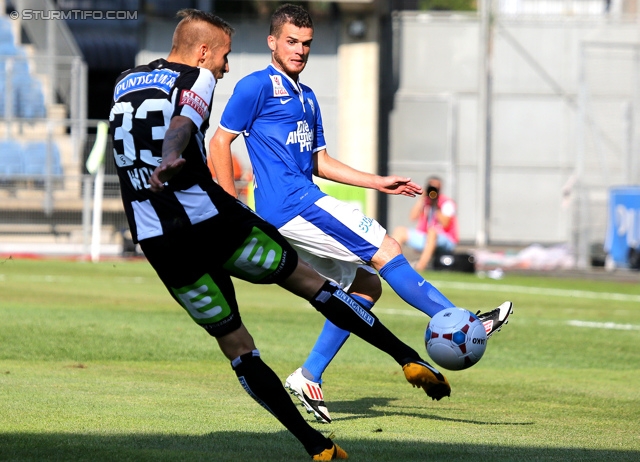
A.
x: 191, y: 14
x: 289, y: 14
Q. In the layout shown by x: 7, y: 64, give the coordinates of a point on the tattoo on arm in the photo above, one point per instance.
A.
x: 176, y: 140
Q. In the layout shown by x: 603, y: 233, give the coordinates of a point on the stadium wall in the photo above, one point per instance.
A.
x: 564, y: 125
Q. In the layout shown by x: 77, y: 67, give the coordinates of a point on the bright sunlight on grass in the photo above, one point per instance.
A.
x: 98, y: 363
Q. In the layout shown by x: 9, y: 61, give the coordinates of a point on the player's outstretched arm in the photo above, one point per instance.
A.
x: 175, y: 141
x: 220, y: 155
x: 332, y: 169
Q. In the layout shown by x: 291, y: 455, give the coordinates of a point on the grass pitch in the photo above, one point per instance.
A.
x: 97, y: 362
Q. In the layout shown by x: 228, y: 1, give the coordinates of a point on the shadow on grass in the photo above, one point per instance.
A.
x: 280, y: 446
x: 365, y: 408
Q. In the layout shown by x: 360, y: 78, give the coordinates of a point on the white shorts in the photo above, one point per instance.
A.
x: 335, y: 238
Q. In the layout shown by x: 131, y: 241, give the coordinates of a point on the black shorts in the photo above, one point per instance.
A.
x: 197, y: 262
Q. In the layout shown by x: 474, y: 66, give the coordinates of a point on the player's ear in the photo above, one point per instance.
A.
x: 271, y: 41
x: 202, y: 52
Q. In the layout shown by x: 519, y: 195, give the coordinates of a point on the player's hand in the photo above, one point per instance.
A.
x: 399, y: 185
x: 164, y: 173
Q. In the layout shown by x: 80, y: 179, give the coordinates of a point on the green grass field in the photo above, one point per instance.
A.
x: 98, y: 363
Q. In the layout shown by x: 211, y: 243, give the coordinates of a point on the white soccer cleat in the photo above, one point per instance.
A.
x: 310, y: 395
x: 494, y: 320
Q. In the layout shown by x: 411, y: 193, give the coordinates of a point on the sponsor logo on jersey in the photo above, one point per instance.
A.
x: 302, y: 136
x: 160, y: 79
x: 193, y: 100
x: 278, y: 87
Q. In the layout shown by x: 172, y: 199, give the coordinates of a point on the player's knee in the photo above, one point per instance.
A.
x: 375, y: 291
x: 367, y: 284
x: 236, y: 343
x: 389, y: 249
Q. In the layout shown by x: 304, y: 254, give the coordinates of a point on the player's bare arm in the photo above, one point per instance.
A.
x: 175, y: 141
x: 220, y: 153
x: 332, y: 169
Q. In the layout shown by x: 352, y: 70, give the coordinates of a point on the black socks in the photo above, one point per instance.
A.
x: 265, y: 387
x: 342, y: 310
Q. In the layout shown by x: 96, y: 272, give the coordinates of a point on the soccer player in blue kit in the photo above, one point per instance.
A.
x: 282, y: 126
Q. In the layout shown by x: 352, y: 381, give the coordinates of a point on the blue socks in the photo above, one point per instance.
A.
x: 406, y: 282
x: 412, y: 287
x: 327, y: 346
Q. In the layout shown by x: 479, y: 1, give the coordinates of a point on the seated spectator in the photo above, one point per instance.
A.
x: 437, y: 225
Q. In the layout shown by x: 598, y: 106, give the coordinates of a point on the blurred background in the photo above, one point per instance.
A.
x: 529, y: 110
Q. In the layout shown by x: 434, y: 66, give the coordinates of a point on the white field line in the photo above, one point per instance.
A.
x: 538, y: 291
x: 574, y: 322
x: 603, y: 325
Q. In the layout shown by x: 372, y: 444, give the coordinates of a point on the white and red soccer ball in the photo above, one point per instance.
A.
x: 455, y: 339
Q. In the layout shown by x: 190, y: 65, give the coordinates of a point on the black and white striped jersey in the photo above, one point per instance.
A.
x: 144, y: 101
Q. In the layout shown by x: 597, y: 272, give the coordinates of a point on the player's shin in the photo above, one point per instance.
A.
x: 328, y: 344
x: 264, y: 386
x: 342, y: 310
x: 412, y: 287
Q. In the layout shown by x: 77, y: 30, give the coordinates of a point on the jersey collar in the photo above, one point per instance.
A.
x: 294, y: 84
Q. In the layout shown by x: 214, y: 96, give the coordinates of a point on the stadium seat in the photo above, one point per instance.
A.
x: 29, y: 99
x: 5, y: 23
x: 35, y: 159
x: 8, y: 48
x: 11, y: 162
x: 26, y: 90
x: 6, y: 36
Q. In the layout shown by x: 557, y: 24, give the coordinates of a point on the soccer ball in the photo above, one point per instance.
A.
x: 455, y: 339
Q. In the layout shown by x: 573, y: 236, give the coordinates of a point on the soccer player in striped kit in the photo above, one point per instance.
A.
x: 196, y: 236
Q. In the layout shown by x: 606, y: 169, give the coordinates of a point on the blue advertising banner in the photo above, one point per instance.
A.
x: 623, y: 228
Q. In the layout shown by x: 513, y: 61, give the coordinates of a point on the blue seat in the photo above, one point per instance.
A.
x: 20, y: 67
x: 29, y: 99
x: 35, y: 158
x: 8, y: 48
x: 11, y: 158
x: 26, y: 90
x: 6, y: 36
x: 5, y: 23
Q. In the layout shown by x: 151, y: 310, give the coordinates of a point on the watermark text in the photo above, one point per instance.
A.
x: 113, y: 15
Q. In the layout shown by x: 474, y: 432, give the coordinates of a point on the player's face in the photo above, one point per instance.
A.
x: 290, y: 50
x: 217, y: 58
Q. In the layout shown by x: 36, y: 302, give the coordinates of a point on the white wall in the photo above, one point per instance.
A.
x: 536, y: 120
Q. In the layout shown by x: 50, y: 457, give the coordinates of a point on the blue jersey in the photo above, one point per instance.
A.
x: 282, y: 127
